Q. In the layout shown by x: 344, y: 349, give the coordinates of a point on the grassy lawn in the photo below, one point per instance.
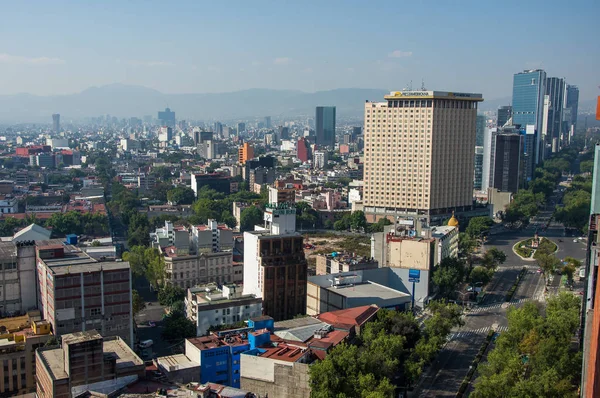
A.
x: 522, y: 248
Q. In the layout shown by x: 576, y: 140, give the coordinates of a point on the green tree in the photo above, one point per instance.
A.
x: 181, y: 196
x: 548, y: 263
x: 534, y: 357
x: 479, y: 226
x: 570, y: 266
x: 162, y: 173
x: 466, y: 244
x: 228, y: 218
x: 340, y: 225
x: 480, y: 275
x: 493, y: 258
x: 170, y: 294
x: 250, y: 217
x: 136, y: 259
x: 379, y: 225
x: 137, y: 302
x: 586, y: 166
x: 358, y: 220
x: 449, y: 273
x: 177, y: 327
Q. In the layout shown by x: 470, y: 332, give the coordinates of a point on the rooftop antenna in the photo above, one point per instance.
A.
x: 423, y: 85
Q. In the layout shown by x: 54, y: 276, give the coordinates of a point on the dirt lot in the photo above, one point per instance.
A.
x: 328, y: 243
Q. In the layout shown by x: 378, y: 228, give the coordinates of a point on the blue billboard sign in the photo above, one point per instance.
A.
x: 414, y: 275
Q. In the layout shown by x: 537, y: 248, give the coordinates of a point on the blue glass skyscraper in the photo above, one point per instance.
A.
x: 325, y: 126
x: 528, y: 103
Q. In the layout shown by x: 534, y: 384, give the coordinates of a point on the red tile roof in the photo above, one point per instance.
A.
x: 352, y: 316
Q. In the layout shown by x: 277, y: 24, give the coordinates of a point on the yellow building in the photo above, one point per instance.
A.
x: 19, y: 338
x: 419, y: 157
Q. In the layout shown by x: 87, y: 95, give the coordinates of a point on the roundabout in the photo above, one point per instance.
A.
x: 527, y: 248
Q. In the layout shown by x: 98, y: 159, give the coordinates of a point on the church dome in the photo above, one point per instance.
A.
x: 453, y: 222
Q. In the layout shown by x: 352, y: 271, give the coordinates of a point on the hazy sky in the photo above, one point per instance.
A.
x: 56, y: 47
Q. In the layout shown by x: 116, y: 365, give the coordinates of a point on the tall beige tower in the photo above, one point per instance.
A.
x: 419, y: 158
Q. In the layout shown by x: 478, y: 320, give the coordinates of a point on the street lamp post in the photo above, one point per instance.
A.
x: 463, y: 300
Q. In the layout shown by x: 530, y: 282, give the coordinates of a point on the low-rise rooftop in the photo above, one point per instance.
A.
x: 176, y: 362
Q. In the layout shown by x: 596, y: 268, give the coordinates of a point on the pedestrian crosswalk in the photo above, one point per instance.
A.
x: 495, y: 306
x: 466, y: 334
x: 484, y: 308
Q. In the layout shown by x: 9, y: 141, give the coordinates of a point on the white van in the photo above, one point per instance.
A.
x: 146, y: 343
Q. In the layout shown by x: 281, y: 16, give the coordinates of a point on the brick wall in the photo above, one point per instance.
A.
x: 289, y: 382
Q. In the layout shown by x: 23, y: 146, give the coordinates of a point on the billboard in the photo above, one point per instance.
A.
x: 414, y: 275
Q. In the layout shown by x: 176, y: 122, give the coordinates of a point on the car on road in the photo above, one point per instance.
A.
x: 146, y: 343
x: 539, y: 271
x: 574, y: 240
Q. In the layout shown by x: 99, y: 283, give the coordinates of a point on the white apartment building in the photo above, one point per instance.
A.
x: 419, y: 158
x: 446, y: 238
x: 171, y: 235
x: 17, y: 277
x: 165, y: 134
x: 213, y: 237
x: 320, y: 159
x: 128, y: 144
x: 8, y: 204
x: 207, y: 306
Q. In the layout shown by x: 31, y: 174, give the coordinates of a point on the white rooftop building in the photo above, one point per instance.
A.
x: 210, y: 306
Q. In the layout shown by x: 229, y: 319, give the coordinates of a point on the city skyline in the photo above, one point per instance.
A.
x: 220, y: 48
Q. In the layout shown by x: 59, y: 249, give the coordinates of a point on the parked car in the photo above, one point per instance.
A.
x: 146, y: 343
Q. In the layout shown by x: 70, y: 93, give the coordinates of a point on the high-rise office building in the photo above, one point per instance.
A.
x: 267, y: 122
x: 166, y: 118
x: 571, y: 109
x: 507, y: 166
x: 530, y: 149
x: 275, y: 267
x: 479, y: 127
x: 555, y: 90
x: 478, y: 177
x: 504, y: 113
x: 419, y: 157
x: 218, y: 129
x: 356, y: 131
x: 528, y: 103
x: 56, y: 123
x: 325, y: 126
x: 241, y: 127
x: 284, y: 133
x: 487, y: 158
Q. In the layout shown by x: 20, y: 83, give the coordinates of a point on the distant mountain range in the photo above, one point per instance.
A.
x: 126, y: 101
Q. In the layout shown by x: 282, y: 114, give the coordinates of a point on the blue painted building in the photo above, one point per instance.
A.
x: 219, y: 354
